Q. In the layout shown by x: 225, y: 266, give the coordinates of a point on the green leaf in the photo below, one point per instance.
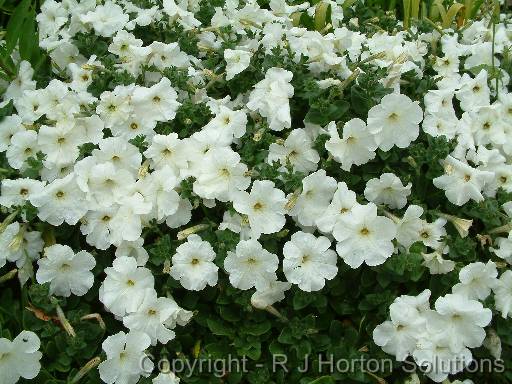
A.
x: 219, y: 328
x: 15, y: 25
x: 27, y: 42
x: 307, y: 21
x: 302, y: 300
x: 257, y: 329
x: 324, y: 112
x: 6, y: 110
x: 161, y: 251
x: 322, y: 15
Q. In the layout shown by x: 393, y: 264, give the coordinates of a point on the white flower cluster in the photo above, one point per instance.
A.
x: 117, y: 190
x: 439, y: 340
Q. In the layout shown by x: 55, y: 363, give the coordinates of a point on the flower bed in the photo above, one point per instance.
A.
x: 256, y: 192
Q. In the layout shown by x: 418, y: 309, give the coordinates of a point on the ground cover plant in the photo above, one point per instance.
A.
x: 234, y: 191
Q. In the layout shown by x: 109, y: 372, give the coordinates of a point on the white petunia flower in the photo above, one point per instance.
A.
x: 60, y: 143
x: 20, y: 358
x: 264, y: 207
x: 439, y: 101
x: 388, y: 190
x: 503, y: 294
x: 96, y: 225
x: 60, y: 201
x: 431, y: 234
x: 477, y: 280
x: 237, y: 61
x: 106, y: 184
x: 179, y: 12
x: 436, y: 264
x: 68, y: 273
x: 193, y: 264
x: 395, y: 121
x: 22, y: 82
x: 473, y: 92
x: 228, y: 124
x: 23, y: 146
x: 297, y: 150
x: 123, y: 290
x: 270, y: 294
x: 114, y: 107
x: 357, y: 146
x: 364, y: 237
x: 119, y: 152
x: 152, y: 316
x: 19, y: 245
x: 317, y: 192
x: 126, y: 360
x: 167, y: 55
x: 308, y: 261
x: 504, y: 248
x: 222, y: 175
x: 460, y: 320
x: 250, y: 265
x: 18, y: 191
x: 270, y: 98
x: 167, y: 150
x: 126, y: 223
x: 235, y: 223
x: 409, y: 227
x: 461, y: 182
x: 400, y: 335
x: 134, y: 126
x: 158, y: 102
x: 106, y: 19
x: 9, y: 126
x: 341, y: 204
x: 9, y: 244
x: 158, y: 189
x: 166, y: 378
x: 182, y: 216
x: 434, y: 355
x: 441, y: 124
x: 133, y: 249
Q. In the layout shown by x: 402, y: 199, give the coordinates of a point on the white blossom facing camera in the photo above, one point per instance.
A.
x: 296, y: 150
x: 20, y: 357
x: 356, y: 147
x: 317, y: 192
x: 462, y: 182
x: 264, y: 207
x: 193, y: 264
x: 67, y: 272
x: 364, y: 237
x: 341, y: 204
x: 387, y: 189
x: 477, y: 280
x: 395, y: 121
x: 154, y: 317
x: 126, y: 360
x: 308, y: 261
x: 250, y: 265
x: 124, y: 288
x: 236, y: 62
